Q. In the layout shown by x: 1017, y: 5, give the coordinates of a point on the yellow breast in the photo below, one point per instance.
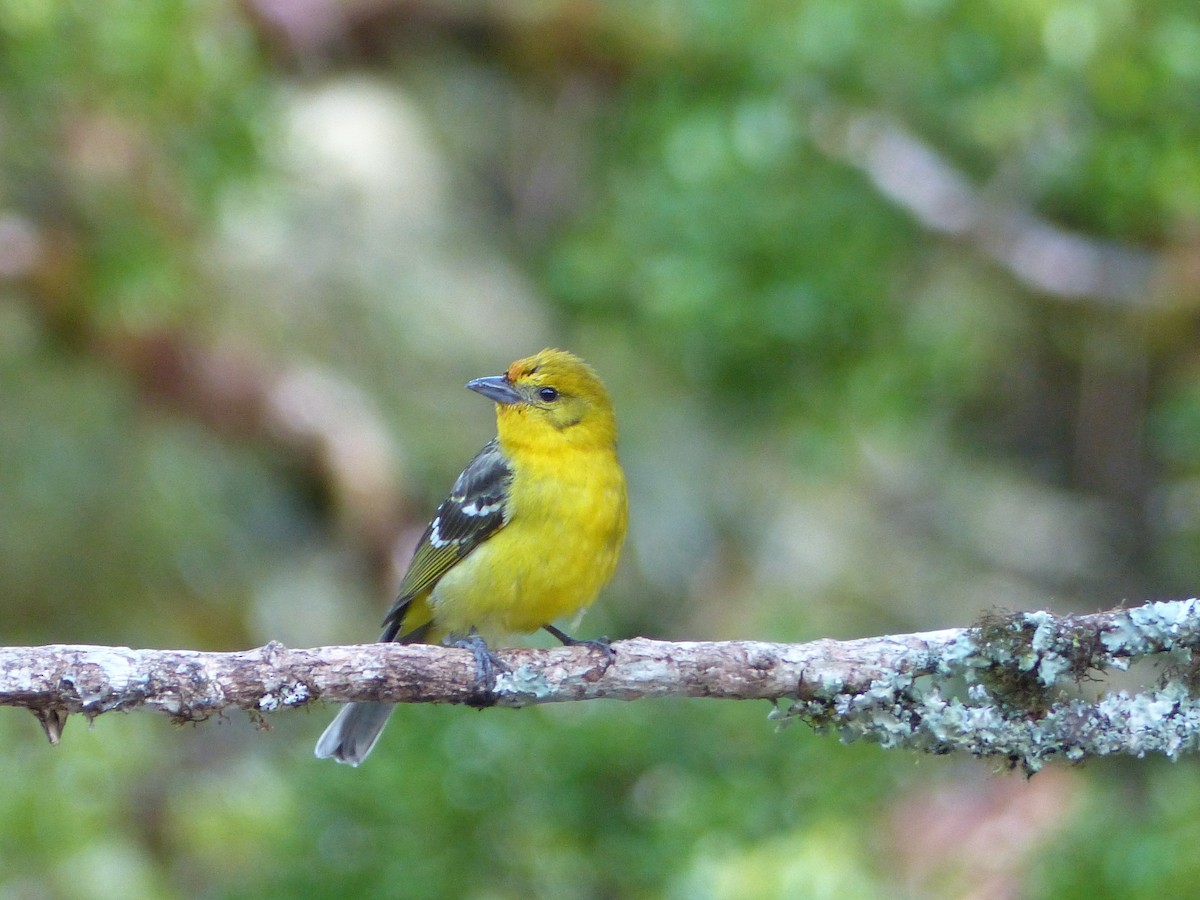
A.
x: 559, y: 547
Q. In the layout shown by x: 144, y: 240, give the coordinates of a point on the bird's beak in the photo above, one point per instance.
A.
x: 495, y: 387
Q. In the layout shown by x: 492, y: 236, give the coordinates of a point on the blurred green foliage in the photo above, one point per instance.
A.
x: 249, y: 253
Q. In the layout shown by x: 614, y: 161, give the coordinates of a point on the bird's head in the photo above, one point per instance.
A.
x: 551, y: 392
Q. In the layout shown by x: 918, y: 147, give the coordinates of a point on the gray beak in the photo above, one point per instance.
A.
x: 495, y: 387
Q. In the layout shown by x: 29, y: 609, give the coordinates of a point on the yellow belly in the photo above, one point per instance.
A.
x: 559, y: 547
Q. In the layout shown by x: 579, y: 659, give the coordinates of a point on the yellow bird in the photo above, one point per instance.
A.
x: 530, y: 533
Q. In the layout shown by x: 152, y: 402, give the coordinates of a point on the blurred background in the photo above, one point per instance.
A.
x: 899, y: 304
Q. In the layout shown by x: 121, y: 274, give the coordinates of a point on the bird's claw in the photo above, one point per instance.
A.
x: 487, y: 666
x: 601, y: 644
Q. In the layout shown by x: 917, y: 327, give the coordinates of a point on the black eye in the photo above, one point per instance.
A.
x: 548, y: 394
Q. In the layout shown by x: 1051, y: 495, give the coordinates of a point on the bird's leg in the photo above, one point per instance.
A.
x: 487, y: 664
x: 601, y: 644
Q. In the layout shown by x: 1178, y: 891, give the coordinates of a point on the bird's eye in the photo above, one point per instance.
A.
x: 548, y: 394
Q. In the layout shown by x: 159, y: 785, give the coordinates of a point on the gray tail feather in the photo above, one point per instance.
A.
x: 350, y: 736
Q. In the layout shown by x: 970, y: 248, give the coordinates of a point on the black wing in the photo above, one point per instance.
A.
x: 476, y: 508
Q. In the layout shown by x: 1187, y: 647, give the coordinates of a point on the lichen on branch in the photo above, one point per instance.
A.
x: 1000, y: 689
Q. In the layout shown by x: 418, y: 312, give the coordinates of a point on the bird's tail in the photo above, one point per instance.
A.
x: 352, y: 734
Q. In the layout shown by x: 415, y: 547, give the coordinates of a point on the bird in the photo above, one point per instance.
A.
x: 530, y: 533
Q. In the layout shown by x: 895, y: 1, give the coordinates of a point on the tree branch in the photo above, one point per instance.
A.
x: 1058, y: 262
x: 1008, y: 687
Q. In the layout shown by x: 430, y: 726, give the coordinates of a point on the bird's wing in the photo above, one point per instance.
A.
x: 475, y: 509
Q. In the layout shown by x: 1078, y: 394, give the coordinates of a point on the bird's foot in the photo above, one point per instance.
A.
x: 487, y: 665
x: 601, y: 644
